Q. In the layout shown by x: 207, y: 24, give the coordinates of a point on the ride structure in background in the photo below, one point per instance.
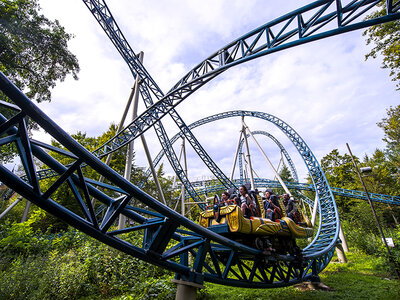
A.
x: 168, y: 239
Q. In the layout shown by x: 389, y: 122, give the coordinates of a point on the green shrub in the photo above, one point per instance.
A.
x: 70, y: 265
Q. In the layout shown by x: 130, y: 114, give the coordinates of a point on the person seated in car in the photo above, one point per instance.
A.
x: 290, y: 206
x: 247, y: 202
x: 224, y: 199
x: 271, y: 205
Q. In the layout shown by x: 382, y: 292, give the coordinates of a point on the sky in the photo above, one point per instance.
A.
x: 325, y: 90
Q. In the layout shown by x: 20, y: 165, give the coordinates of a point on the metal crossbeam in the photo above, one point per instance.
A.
x: 216, y: 258
x: 205, y: 187
x: 104, y: 17
x: 157, y: 241
x: 277, y: 35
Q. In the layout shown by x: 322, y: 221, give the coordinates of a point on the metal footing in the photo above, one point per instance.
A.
x: 186, y: 290
x: 341, y: 253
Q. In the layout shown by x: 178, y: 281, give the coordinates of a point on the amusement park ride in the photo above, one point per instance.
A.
x: 196, y: 253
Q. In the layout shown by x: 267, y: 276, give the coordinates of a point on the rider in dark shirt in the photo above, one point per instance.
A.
x: 290, y: 206
x: 271, y: 205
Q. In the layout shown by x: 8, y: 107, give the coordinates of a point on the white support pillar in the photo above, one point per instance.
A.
x: 186, y: 173
x: 267, y: 159
x: 153, y: 171
x: 279, y: 163
x: 343, y: 239
x: 248, y: 154
x: 236, y: 155
x: 10, y: 207
x: 186, y: 290
x: 130, y: 148
x: 25, y: 215
x: 315, y: 210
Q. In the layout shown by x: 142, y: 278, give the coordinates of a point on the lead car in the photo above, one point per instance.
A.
x: 277, y: 236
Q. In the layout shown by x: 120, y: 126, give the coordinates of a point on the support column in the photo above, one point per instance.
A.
x: 186, y: 290
x: 315, y: 210
x: 10, y: 207
x: 153, y: 171
x: 129, y: 151
x: 343, y: 239
x: 340, y: 253
x: 25, y: 215
x: 248, y: 153
x: 185, y: 170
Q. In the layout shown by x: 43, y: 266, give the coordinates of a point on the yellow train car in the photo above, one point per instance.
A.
x: 229, y: 219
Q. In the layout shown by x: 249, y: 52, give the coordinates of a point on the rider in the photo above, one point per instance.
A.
x: 290, y: 206
x: 271, y: 205
x: 247, y: 202
x: 224, y: 198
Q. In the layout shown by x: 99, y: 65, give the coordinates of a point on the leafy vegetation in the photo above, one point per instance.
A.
x: 386, y: 38
x: 33, y: 49
x: 71, y: 265
x: 43, y: 258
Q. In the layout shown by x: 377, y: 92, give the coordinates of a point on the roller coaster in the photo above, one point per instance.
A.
x: 168, y: 239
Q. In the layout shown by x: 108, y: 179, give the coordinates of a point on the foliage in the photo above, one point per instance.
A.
x: 339, y: 171
x: 391, y: 128
x: 72, y: 265
x: 19, y: 238
x: 33, y: 54
x: 358, y: 279
x: 386, y: 38
x: 286, y: 176
x: 285, y: 173
x: 33, y: 49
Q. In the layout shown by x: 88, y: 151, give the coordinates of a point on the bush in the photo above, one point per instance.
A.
x: 71, y: 265
x: 366, y: 241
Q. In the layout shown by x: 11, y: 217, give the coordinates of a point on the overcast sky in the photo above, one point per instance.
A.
x: 325, y: 90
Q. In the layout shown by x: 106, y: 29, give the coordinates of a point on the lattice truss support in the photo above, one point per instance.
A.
x: 167, y: 239
x: 260, y: 183
x: 318, y: 20
x: 104, y: 17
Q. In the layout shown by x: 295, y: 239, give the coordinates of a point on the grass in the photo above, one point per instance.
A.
x: 363, y: 277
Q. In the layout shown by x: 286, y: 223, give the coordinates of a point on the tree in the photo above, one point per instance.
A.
x: 285, y: 173
x: 386, y: 38
x: 33, y: 49
x: 33, y: 55
x: 391, y: 128
x: 340, y: 173
x: 339, y: 169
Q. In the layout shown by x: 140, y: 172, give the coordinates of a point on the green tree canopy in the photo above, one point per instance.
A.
x: 285, y: 173
x: 391, y: 128
x: 33, y: 49
x: 386, y: 38
x: 33, y: 55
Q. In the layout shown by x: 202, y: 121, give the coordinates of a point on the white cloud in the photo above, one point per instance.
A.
x: 324, y: 89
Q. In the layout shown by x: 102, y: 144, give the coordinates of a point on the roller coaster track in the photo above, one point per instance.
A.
x: 282, y: 149
x: 209, y: 186
x: 167, y: 239
x: 293, y: 29
x: 103, y: 15
x: 165, y: 234
x: 206, y: 187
